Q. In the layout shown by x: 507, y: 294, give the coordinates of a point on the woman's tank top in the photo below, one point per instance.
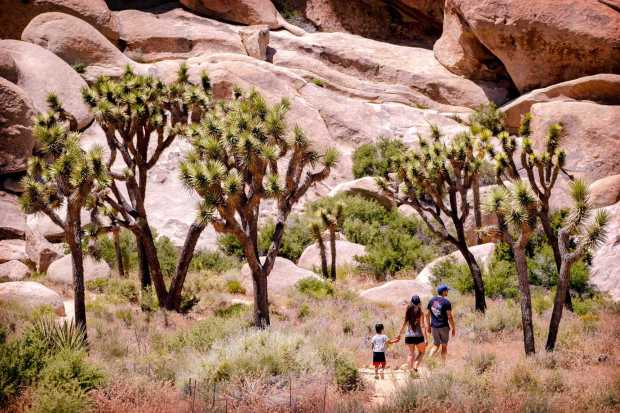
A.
x: 416, y: 332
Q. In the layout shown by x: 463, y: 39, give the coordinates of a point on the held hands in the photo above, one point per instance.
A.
x: 453, y: 331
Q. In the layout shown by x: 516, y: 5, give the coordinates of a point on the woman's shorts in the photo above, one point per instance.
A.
x: 414, y: 340
x: 378, y: 359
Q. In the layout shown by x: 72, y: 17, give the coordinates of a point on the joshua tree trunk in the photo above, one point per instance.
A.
x: 187, y: 253
x: 526, y: 300
x: 560, y: 299
x: 261, y: 300
x: 118, y: 251
x: 73, y: 236
x: 332, y: 248
x: 319, y: 240
x: 477, y: 277
x: 553, y: 241
x: 143, y: 264
x: 477, y: 212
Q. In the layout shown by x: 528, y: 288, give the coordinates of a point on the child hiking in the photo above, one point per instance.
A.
x: 379, y: 343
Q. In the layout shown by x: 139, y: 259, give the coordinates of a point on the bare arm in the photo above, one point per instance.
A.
x: 451, y: 322
x: 428, y: 321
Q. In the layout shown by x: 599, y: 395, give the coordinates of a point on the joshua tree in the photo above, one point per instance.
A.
x: 516, y: 210
x: 577, y: 237
x: 234, y: 167
x: 540, y: 168
x: 331, y: 219
x: 317, y: 232
x: 62, y: 173
x: 141, y: 117
x: 435, y: 180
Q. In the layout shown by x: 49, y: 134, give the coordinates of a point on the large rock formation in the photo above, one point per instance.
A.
x: 283, y: 277
x: 176, y: 34
x: 345, y: 254
x: 539, y: 42
x: 482, y: 252
x: 13, y: 271
x: 605, y: 191
x: 13, y: 249
x: 41, y: 72
x: 12, y: 219
x: 16, y: 14
x: 40, y: 251
x: 605, y: 270
x: 398, y: 292
x: 590, y: 138
x: 365, y: 187
x: 30, y: 295
x: 61, y: 271
x: 601, y: 88
x: 16, y: 141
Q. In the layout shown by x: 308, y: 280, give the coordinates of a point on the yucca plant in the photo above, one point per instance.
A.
x: 516, y: 211
x: 62, y: 173
x: 141, y: 117
x: 541, y: 169
x: 60, y: 336
x: 238, y: 152
x: 578, y: 237
x: 435, y: 179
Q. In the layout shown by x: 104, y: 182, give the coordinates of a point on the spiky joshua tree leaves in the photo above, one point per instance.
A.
x: 435, y: 179
x: 577, y: 237
x: 516, y: 211
x: 61, y: 173
x: 234, y: 166
x: 141, y: 117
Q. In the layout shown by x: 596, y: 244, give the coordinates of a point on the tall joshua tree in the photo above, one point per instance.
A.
x: 435, y: 179
x: 516, y: 211
x: 63, y: 173
x: 331, y: 219
x: 141, y: 117
x: 234, y: 166
x: 541, y: 169
x: 577, y: 237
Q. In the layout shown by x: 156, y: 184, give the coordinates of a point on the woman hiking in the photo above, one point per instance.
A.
x: 416, y: 336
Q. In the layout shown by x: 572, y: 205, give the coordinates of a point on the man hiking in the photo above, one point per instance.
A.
x: 439, y: 321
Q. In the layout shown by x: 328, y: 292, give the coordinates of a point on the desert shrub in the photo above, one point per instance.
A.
x: 500, y: 279
x: 502, y: 317
x: 234, y: 287
x: 522, y: 377
x: 373, y: 159
x: 148, y: 300
x: 354, y: 207
x: 117, y: 289
x: 65, y: 336
x: 295, y: 239
x: 554, y: 383
x: 167, y: 254
x: 258, y: 353
x: 230, y: 245
x: 482, y: 362
x: 541, y: 302
x: 318, y: 82
x: 105, y: 247
x: 71, y: 366
x: 202, y: 334
x: 411, y: 396
x: 315, y: 288
x: 536, y: 403
x: 233, y: 310
x: 213, y: 261
x: 303, y: 311
x: 346, y: 374
x: 456, y: 275
x: 79, y: 67
x: 489, y: 116
x: 64, y: 398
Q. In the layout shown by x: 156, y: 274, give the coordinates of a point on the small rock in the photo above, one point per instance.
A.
x: 13, y: 271
x: 13, y: 249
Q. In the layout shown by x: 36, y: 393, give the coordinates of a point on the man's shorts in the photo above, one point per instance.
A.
x: 441, y: 335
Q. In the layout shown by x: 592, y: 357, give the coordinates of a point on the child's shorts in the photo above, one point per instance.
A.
x: 378, y: 359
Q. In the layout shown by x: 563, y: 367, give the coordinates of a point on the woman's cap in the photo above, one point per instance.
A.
x: 415, y: 299
x: 442, y: 288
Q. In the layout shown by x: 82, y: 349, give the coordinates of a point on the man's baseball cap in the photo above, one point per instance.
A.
x: 442, y: 288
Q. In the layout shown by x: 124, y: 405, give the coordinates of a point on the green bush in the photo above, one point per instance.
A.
x: 63, y: 398
x: 213, y: 261
x: 315, y: 288
x: 234, y: 287
x: 118, y: 289
x: 346, y: 374
x: 167, y: 254
x: 374, y: 159
x: 105, y: 246
x: 233, y: 310
x: 500, y: 279
x: 71, y: 366
x: 482, y: 362
x: 489, y: 116
x: 230, y: 245
x: 295, y: 239
x: 456, y: 275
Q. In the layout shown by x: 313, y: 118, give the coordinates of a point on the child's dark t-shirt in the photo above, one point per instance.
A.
x: 439, y: 307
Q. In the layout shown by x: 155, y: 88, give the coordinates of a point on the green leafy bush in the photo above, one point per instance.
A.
x: 373, y: 159
x: 346, y: 374
x: 233, y: 310
x: 167, y: 254
x: 105, y: 246
x: 235, y: 287
x: 117, y: 289
x: 69, y: 365
x: 456, y: 275
x: 500, y: 279
x: 295, y: 239
x: 315, y: 288
x: 489, y: 116
x: 64, y: 398
x: 230, y: 245
x: 213, y: 261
